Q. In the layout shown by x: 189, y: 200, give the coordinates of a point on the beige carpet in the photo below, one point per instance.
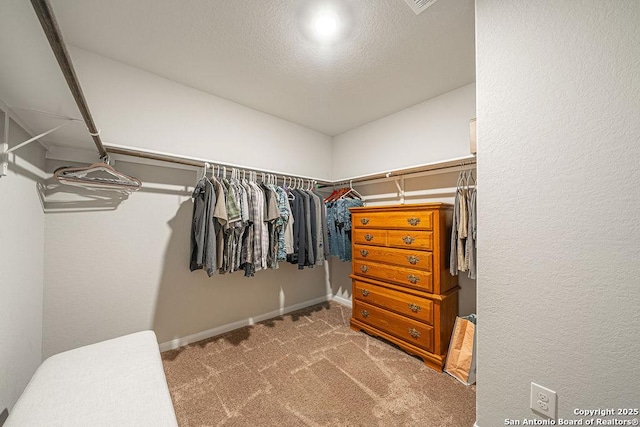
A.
x: 308, y: 368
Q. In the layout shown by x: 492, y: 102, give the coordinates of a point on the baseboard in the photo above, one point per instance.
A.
x: 343, y: 301
x: 179, y: 342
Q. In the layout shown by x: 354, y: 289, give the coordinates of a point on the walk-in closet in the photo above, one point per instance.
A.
x: 318, y: 213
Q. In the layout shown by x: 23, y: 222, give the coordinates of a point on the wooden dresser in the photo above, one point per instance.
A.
x: 402, y: 289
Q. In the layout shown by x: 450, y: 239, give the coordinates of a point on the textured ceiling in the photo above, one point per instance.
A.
x: 259, y: 53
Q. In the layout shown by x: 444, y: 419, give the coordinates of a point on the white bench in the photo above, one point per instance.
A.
x: 119, y: 382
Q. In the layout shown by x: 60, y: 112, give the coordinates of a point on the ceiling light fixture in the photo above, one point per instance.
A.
x: 325, y: 25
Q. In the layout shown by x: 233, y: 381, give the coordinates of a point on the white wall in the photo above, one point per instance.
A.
x: 139, y: 109
x: 434, y: 130
x: 21, y: 268
x: 558, y: 100
x: 125, y: 268
x: 112, y: 270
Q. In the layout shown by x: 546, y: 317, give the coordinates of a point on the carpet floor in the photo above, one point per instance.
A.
x: 308, y: 368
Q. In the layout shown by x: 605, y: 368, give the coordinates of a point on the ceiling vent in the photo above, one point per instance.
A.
x: 419, y: 6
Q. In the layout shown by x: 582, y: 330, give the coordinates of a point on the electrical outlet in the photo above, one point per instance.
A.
x: 544, y: 401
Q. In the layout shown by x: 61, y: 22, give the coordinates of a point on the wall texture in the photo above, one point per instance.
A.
x: 116, y: 269
x: 112, y: 268
x: 139, y: 109
x: 434, y: 130
x: 558, y: 99
x: 21, y: 268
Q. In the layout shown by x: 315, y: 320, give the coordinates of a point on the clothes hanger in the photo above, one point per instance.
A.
x: 290, y: 194
x: 352, y: 191
x: 344, y: 190
x: 460, y: 182
x: 204, y: 170
x: 471, y: 178
x: 330, y: 197
x: 465, y: 179
x: 97, y: 175
x: 337, y: 193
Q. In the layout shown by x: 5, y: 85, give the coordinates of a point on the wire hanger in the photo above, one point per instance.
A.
x: 97, y: 175
x: 471, y: 178
x: 461, y: 178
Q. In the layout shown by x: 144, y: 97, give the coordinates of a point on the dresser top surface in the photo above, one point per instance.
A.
x: 409, y: 207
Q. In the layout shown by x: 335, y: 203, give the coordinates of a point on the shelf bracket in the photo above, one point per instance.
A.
x: 4, y: 147
x: 400, y: 186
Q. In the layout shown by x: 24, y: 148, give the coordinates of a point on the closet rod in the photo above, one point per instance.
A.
x: 196, y: 162
x: 450, y: 165
x: 52, y: 31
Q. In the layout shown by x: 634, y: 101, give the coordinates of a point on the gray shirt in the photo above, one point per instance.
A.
x: 203, y: 236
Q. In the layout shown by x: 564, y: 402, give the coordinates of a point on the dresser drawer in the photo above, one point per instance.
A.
x: 409, y: 219
x: 370, y: 237
x: 408, y: 277
x: 420, y: 240
x: 409, y: 330
x: 400, y: 257
x: 406, y: 304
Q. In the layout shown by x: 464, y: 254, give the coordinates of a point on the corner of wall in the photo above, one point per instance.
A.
x: 22, y: 266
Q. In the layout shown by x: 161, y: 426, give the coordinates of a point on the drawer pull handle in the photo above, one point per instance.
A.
x: 365, y: 313
x: 413, y: 279
x: 414, y: 307
x: 364, y: 292
x: 414, y: 333
x: 413, y: 260
x: 408, y: 239
x: 364, y: 268
x: 368, y: 237
x: 364, y: 221
x: 413, y: 221
x: 364, y: 252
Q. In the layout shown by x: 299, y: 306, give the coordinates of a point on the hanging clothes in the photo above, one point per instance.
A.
x: 462, y: 230
x: 339, y: 221
x: 299, y: 255
x: 220, y: 220
x: 246, y: 257
x: 240, y: 225
x: 325, y: 233
x: 285, y: 217
x: 257, y: 217
x: 203, y: 244
x: 317, y: 230
x: 462, y: 256
x: 453, y: 247
x: 471, y: 247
